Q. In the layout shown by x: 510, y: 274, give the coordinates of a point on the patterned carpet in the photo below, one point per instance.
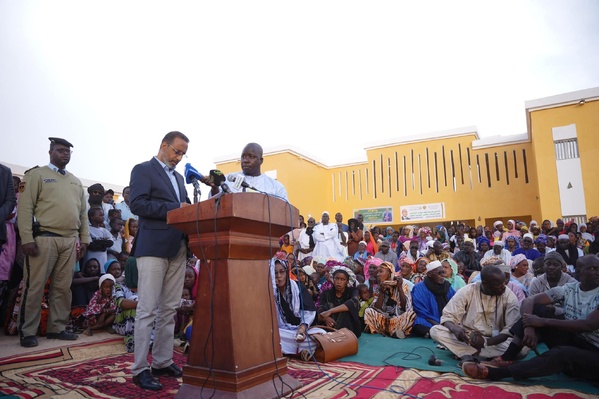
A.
x: 101, y: 370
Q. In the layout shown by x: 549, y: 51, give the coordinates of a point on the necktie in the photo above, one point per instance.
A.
x: 62, y: 171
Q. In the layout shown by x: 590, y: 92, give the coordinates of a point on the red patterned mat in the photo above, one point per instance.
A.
x: 101, y: 370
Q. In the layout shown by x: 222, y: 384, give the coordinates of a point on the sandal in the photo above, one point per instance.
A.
x: 306, y: 355
x: 475, y: 370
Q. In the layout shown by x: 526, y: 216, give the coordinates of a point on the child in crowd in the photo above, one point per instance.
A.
x: 366, y: 299
x: 185, y: 309
x: 100, y: 312
x: 113, y: 267
x: 184, y: 313
x: 101, y: 239
x: 130, y: 231
x: 85, y: 283
x: 116, y: 230
x: 308, y: 283
x: 286, y: 247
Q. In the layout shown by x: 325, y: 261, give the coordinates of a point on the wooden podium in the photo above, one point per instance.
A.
x: 235, y: 349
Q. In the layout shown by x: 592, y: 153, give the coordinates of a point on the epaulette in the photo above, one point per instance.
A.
x: 35, y: 167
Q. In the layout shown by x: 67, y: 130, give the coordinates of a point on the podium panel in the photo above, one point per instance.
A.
x: 235, y: 347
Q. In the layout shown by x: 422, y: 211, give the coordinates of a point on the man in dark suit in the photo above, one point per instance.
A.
x: 161, y: 250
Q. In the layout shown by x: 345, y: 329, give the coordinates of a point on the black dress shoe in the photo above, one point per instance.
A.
x: 29, y: 342
x: 173, y: 370
x: 63, y: 335
x: 146, y: 381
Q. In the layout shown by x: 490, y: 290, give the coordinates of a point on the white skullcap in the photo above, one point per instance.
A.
x: 501, y: 243
x: 433, y: 265
x: 105, y: 277
x: 529, y: 235
x: 563, y: 237
x: 363, y: 242
x: 430, y: 243
x: 497, y: 223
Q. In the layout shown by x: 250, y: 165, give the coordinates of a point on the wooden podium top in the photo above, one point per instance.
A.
x: 230, y: 225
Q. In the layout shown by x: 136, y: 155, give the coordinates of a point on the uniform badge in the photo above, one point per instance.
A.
x: 21, y: 186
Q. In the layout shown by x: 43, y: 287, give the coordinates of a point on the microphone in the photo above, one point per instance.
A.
x: 239, y: 181
x: 192, y: 176
x: 219, y: 179
x: 433, y: 361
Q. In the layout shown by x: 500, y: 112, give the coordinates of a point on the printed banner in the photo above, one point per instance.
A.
x: 375, y: 215
x: 422, y: 212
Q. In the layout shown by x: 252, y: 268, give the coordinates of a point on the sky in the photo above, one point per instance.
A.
x: 326, y: 77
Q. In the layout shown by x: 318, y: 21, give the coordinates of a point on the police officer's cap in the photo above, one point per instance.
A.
x: 56, y: 140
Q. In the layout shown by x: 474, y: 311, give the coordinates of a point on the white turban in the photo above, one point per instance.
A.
x: 433, y: 265
x: 497, y: 223
x: 500, y: 243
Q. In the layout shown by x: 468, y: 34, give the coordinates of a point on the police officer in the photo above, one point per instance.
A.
x: 51, y: 217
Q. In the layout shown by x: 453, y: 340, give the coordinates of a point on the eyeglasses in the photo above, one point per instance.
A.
x: 178, y: 152
x: 63, y: 150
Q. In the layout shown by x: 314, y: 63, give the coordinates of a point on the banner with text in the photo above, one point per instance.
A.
x: 375, y: 215
x: 422, y: 211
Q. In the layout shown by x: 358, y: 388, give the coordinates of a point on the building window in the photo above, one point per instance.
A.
x: 566, y: 149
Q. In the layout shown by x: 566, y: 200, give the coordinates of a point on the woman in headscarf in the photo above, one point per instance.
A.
x: 391, y: 312
x: 484, y: 244
x: 407, y: 234
x: 406, y: 268
x: 541, y: 244
x: 511, y: 231
x: 371, y: 245
x: 442, y: 235
x: 339, y: 305
x: 423, y: 238
x: 451, y: 274
x: 419, y: 270
x: 430, y: 298
x: 371, y: 268
x: 512, y: 244
x: 295, y: 311
x: 520, y: 272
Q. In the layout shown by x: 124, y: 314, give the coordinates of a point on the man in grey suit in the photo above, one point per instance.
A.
x: 161, y: 250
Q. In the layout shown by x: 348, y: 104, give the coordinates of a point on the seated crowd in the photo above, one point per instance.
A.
x: 488, y: 295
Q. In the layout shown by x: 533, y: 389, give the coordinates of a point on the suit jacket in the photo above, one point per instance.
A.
x: 8, y: 199
x: 152, y: 196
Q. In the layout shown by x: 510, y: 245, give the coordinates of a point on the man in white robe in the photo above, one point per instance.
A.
x: 326, y: 238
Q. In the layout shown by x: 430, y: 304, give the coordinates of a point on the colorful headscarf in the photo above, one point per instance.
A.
x: 349, y: 262
x: 369, y: 262
x: 517, y: 259
x: 389, y: 267
x: 482, y: 239
x: 515, y: 239
x: 541, y: 239
x: 343, y: 269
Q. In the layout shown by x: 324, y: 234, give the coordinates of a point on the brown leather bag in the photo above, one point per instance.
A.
x: 334, y: 344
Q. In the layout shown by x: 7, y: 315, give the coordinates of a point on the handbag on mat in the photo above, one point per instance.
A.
x: 334, y: 344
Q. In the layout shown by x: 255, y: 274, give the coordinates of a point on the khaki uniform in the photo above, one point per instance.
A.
x: 57, y: 203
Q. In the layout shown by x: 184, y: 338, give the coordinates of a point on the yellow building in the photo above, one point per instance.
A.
x: 456, y: 176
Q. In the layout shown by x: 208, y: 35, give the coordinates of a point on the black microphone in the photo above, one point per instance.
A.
x: 239, y: 181
x: 219, y: 179
x: 192, y: 176
x: 433, y: 361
